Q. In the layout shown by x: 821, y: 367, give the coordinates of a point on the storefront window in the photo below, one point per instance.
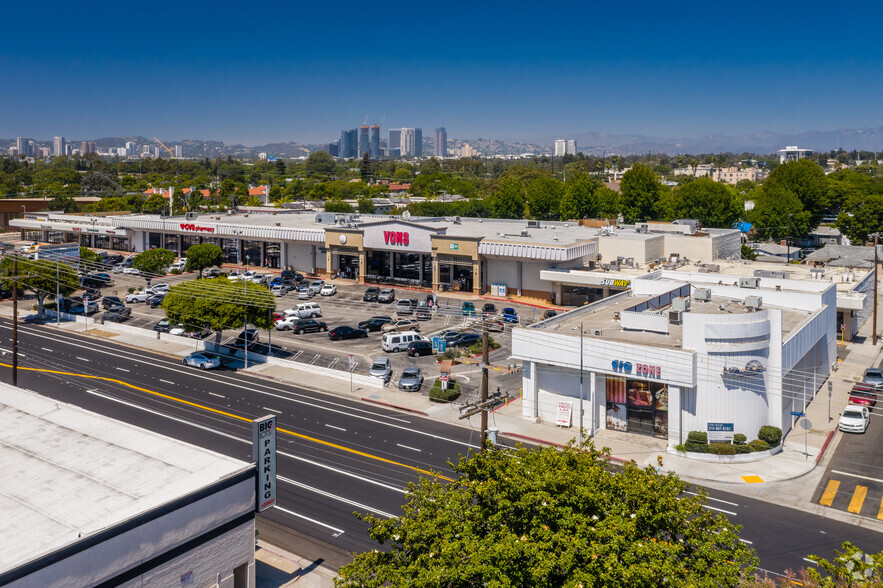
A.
x: 172, y: 243
x: 348, y: 266
x: 120, y: 244
x: 580, y: 295
x: 154, y: 240
x: 55, y: 237
x: 274, y: 255
x: 637, y: 406
x: 85, y: 240
x: 33, y: 235
x: 186, y: 242
x: 102, y: 241
x: 252, y: 252
x: 230, y: 247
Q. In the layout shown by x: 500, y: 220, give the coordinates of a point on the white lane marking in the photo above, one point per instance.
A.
x: 809, y: 560
x: 333, y: 427
x: 300, y: 516
x: 46, y: 349
x: 249, y: 442
x: 856, y: 476
x: 747, y: 541
x: 123, y: 369
x: 255, y: 387
x: 336, y: 497
x: 272, y: 410
x: 167, y: 382
x: 406, y: 447
x: 5, y: 351
x: 715, y: 499
x: 719, y: 510
x: 218, y: 395
x: 83, y: 358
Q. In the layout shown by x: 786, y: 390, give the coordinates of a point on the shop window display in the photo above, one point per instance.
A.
x: 637, y: 406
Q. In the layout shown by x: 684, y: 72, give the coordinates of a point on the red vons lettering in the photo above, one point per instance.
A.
x: 395, y: 238
x: 197, y: 228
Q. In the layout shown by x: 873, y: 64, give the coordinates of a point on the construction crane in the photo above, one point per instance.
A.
x: 171, y: 153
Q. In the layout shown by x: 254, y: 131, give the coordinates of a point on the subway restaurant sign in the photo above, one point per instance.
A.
x: 616, y: 283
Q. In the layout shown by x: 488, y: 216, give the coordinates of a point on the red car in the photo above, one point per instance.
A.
x: 863, y: 395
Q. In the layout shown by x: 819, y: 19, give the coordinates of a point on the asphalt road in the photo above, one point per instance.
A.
x: 338, y: 456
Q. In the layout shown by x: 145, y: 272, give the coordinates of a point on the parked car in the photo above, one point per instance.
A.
x: 386, y: 295
x: 468, y: 309
x: 488, y: 310
x: 178, y: 330
x: 279, y: 290
x: 419, y: 348
x: 158, y: 288
x: 117, y: 314
x: 874, y: 376
x: 111, y: 301
x: 375, y: 323
x: 404, y: 306
x: 179, y: 265
x: 449, y: 335
x: 291, y: 275
x: 92, y: 293
x: 162, y: 326
x: 214, y: 272
x: 197, y: 332
x: 509, y: 315
x: 141, y: 296
x: 465, y: 340
x: 380, y: 368
x: 156, y: 300
x: 328, y: 290
x: 204, y: 360
x: 340, y: 333
x: 863, y: 394
x: 396, y: 341
x: 96, y: 280
x: 247, y: 338
x: 315, y: 286
x: 74, y: 307
x: 261, y: 279
x: 132, y: 271
x: 402, y: 324
x: 371, y: 294
x: 300, y: 325
x: 411, y: 379
x: 122, y: 267
x: 855, y: 419
x: 305, y: 293
x: 305, y: 310
x: 549, y: 314
x: 423, y: 313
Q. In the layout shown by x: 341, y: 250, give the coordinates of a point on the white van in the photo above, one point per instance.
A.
x: 305, y: 310
x: 394, y: 341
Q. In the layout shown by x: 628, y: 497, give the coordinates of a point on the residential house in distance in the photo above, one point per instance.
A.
x: 776, y: 252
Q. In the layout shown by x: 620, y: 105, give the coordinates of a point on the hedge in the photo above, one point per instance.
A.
x: 722, y: 449
x: 436, y: 393
x: 772, y: 435
x: 696, y: 447
x: 739, y: 439
x: 697, y: 437
x: 758, y: 445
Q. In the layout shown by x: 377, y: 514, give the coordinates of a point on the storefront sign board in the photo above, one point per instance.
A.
x: 720, y: 432
x: 565, y: 410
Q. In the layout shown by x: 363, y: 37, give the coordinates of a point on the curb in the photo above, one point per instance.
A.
x: 389, y: 405
x: 824, y: 447
x: 532, y: 439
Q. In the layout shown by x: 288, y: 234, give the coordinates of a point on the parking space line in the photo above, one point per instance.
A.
x: 333, y: 427
x: 830, y: 493
x: 406, y: 447
x: 858, y: 498
x: 166, y: 381
x: 856, y: 476
x: 218, y: 395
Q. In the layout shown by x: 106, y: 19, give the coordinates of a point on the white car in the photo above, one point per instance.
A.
x: 287, y: 323
x: 177, y: 330
x: 328, y: 290
x: 261, y: 278
x: 855, y: 419
x: 132, y: 271
x: 279, y: 290
x: 204, y: 360
x: 160, y: 288
x: 137, y: 297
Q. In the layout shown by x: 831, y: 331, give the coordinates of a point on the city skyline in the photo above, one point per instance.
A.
x: 525, y: 74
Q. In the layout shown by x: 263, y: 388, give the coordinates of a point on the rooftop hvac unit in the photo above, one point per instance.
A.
x: 191, y: 215
x: 702, y: 294
x: 748, y: 282
x: 753, y: 302
x: 681, y: 304
x: 675, y: 317
x: 597, y: 332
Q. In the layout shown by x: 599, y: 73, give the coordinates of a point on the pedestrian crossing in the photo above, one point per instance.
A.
x: 854, y: 497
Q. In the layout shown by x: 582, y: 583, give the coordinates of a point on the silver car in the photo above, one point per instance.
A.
x: 204, y: 360
x: 874, y: 376
x: 411, y: 379
x: 380, y: 368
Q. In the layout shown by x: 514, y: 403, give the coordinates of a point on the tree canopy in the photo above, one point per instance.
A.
x: 219, y: 304
x: 42, y: 277
x: 153, y: 262
x: 205, y: 255
x: 640, y: 191
x: 508, y: 200
x: 548, y: 518
x: 713, y: 204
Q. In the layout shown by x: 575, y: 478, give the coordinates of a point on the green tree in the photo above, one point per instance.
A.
x: 865, y: 217
x: 546, y: 518
x: 336, y: 205
x: 851, y: 567
x: 89, y: 258
x: 366, y: 206
x: 508, y: 200
x: 640, y: 191
x: 579, y: 199
x: 806, y: 180
x: 153, y: 262
x: 219, y: 304
x: 365, y: 167
x: 543, y: 196
x: 63, y: 202
x: 155, y: 204
x: 777, y: 213
x: 748, y: 253
x: 608, y: 202
x: 203, y: 256
x: 710, y: 202
x: 42, y: 277
x: 319, y: 163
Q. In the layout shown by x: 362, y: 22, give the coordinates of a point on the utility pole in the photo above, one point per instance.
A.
x: 15, y: 321
x: 874, y: 339
x: 484, y: 382
x: 581, y: 385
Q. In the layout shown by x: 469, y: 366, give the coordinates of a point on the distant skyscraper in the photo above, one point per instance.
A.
x: 571, y: 146
x: 418, y: 142
x: 331, y: 149
x: 130, y: 148
x: 364, y: 143
x: 88, y: 147
x: 23, y: 146
x: 395, y: 139
x: 349, y: 144
x: 375, y: 142
x: 440, y: 146
x: 179, y: 151
x: 412, y: 142
x: 565, y: 147
x: 58, y: 146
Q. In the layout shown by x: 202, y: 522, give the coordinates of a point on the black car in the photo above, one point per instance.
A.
x: 489, y: 308
x: 549, y: 314
x: 308, y: 325
x: 290, y: 275
x: 339, y: 333
x: 163, y: 326
x: 113, y: 259
x: 247, y: 338
x: 374, y: 323
x: 112, y: 301
x: 465, y: 340
x: 371, y: 294
x: 92, y: 294
x: 155, y: 300
x: 96, y: 281
x: 421, y: 347
x: 117, y: 315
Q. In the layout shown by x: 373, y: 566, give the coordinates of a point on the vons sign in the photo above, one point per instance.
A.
x: 396, y: 238
x: 641, y: 369
x: 196, y: 228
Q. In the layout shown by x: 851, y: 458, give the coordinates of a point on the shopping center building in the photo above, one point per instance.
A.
x: 678, y: 351
x: 481, y: 256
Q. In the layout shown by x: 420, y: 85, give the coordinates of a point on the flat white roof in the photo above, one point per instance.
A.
x: 69, y: 473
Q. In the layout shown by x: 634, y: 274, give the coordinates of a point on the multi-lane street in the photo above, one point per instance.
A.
x: 337, y: 456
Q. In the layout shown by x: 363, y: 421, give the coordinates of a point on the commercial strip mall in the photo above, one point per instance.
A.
x: 481, y: 256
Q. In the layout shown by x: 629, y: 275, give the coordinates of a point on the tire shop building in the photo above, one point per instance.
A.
x: 678, y: 351
x: 90, y: 501
x: 482, y: 256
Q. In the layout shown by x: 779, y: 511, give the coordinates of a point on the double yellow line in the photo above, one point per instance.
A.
x: 234, y: 417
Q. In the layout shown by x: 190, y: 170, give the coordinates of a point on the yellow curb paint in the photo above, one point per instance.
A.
x: 858, y: 498
x: 752, y: 479
x: 830, y: 493
x: 232, y: 416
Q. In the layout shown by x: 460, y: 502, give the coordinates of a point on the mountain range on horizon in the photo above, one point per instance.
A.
x: 591, y: 143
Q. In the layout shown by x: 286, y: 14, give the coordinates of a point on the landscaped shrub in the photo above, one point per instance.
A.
x: 739, y: 439
x: 175, y: 272
x: 131, y: 290
x: 476, y: 348
x: 758, y: 445
x: 696, y: 447
x: 438, y: 395
x: 697, y: 437
x: 722, y: 449
x: 681, y: 447
x: 742, y: 449
x: 770, y: 434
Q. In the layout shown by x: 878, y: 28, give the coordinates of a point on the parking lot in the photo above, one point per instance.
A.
x: 347, y: 308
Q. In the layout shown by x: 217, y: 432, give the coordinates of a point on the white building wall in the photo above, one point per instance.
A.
x: 299, y: 256
x: 641, y: 249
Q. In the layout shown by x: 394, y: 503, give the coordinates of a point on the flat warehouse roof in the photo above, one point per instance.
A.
x: 70, y: 473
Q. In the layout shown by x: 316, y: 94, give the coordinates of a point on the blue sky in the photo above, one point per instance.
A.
x: 301, y: 71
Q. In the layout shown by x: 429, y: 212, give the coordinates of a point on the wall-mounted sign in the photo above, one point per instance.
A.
x: 622, y: 366
x: 263, y: 436
x: 641, y: 369
x: 196, y: 228
x: 720, y: 432
x: 396, y: 237
x: 615, y: 282
x: 453, y: 246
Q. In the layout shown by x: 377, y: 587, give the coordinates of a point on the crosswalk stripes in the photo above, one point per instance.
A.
x: 858, y: 498
x: 852, y: 499
x: 830, y: 493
